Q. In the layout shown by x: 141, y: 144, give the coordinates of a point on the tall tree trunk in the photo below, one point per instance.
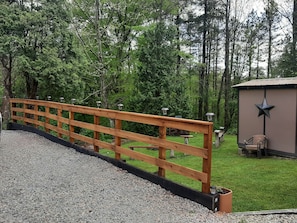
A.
x: 215, y: 67
x: 227, y: 71
x: 219, y: 98
x: 271, y: 8
x: 258, y: 58
x: 202, y: 89
x: 100, y: 65
x: 207, y: 73
x: 31, y: 86
x: 6, y: 63
x: 250, y: 60
x: 294, y: 47
x: 7, y: 73
x: 178, y: 59
x: 269, y: 53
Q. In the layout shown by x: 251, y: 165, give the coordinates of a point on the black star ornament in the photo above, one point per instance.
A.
x: 264, y: 108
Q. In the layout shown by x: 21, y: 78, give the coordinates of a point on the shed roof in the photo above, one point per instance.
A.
x: 273, y: 82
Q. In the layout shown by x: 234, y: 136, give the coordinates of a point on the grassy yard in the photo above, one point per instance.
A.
x: 257, y: 184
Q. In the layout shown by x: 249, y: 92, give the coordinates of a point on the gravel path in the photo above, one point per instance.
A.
x: 45, y: 182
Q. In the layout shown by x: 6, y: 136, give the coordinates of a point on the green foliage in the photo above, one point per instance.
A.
x: 144, y: 54
x: 107, y: 42
x: 38, y: 38
x: 157, y: 84
x: 286, y: 65
x: 10, y: 28
x: 143, y: 128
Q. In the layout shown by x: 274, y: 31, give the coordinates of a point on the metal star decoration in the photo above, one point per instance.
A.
x: 264, y: 108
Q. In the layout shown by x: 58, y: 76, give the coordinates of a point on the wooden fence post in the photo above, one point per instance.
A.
x: 35, y: 115
x: 207, y: 143
x: 47, y: 120
x: 96, y: 134
x: 71, y: 127
x: 118, y: 126
x: 60, y: 124
x: 162, y: 150
x: 14, y: 113
x: 25, y: 115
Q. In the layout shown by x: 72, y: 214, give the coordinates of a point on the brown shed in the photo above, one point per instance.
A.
x: 269, y: 107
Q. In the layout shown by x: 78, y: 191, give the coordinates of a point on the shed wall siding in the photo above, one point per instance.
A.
x: 249, y: 122
x: 281, y: 126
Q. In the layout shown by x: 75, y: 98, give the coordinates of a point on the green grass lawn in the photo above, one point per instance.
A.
x: 257, y: 184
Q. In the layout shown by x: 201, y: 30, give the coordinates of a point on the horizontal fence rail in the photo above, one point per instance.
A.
x: 63, y: 120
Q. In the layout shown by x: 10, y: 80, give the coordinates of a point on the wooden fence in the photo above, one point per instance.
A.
x: 60, y: 119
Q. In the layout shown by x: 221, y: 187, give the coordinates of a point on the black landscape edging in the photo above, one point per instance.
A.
x: 207, y: 200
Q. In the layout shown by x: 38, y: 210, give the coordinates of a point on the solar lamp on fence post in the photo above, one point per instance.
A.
x: 164, y: 111
x: 120, y: 106
x: 98, y: 103
x: 209, y: 116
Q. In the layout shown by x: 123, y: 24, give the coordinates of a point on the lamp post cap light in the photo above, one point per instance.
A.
x: 164, y: 110
x: 120, y: 106
x: 209, y: 116
x: 62, y: 99
x: 49, y: 98
x: 73, y: 100
x: 98, y: 103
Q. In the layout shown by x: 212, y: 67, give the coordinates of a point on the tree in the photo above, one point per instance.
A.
x: 202, y: 31
x: 254, y: 31
x: 286, y: 64
x: 107, y: 33
x: 41, y: 49
x: 271, y: 16
x: 156, y: 80
x: 294, y: 44
x: 10, y: 36
x: 227, y: 74
x: 203, y: 82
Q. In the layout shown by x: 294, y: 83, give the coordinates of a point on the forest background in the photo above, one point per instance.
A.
x: 146, y: 54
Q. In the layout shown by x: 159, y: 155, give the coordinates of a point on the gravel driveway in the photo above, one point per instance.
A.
x: 45, y: 182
